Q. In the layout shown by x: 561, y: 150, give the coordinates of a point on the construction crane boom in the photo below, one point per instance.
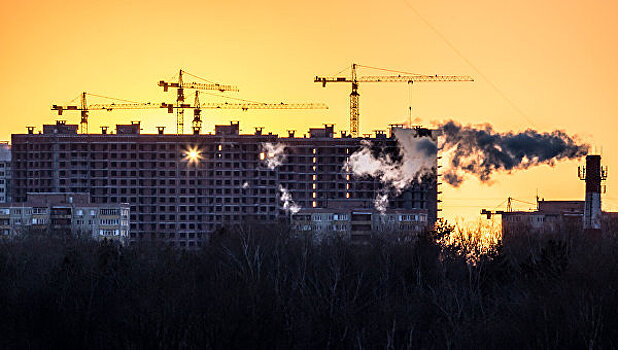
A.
x: 198, y: 86
x: 197, y: 108
x: 396, y: 79
x: 107, y: 107
x: 180, y: 104
x: 509, y: 207
x: 354, y: 79
x: 84, y: 107
x: 180, y: 85
x: 246, y: 106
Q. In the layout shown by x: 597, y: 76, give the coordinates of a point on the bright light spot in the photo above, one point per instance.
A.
x: 193, y: 155
x: 262, y: 156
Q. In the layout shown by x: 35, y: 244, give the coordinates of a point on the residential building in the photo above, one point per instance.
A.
x: 181, y: 188
x: 549, y: 217
x: 66, y: 213
x: 5, y: 172
x: 358, y: 224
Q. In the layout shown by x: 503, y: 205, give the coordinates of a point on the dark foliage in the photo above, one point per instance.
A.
x: 262, y: 288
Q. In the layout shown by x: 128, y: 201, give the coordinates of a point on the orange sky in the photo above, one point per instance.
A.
x: 555, y: 60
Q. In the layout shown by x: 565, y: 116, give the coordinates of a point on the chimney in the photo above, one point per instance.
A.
x: 593, y: 174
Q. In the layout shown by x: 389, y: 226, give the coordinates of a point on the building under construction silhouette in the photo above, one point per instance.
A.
x: 181, y: 188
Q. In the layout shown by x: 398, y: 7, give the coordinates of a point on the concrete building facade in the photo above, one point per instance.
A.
x: 549, y: 217
x: 5, y: 172
x: 357, y: 224
x: 181, y: 188
x: 70, y: 213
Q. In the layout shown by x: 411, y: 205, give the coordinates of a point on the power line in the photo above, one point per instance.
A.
x: 449, y: 44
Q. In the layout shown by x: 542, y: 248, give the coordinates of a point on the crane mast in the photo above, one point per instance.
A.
x: 197, y: 119
x: 180, y: 86
x: 354, y: 107
x: 83, y: 123
x: 180, y: 112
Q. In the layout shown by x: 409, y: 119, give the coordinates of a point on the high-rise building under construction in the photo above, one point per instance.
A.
x: 181, y: 188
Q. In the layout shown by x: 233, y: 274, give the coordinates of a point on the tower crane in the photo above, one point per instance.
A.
x: 197, y: 107
x: 509, y: 207
x: 180, y: 86
x: 84, y: 107
x: 242, y: 105
x: 406, y: 78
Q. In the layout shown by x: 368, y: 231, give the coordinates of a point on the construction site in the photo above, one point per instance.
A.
x: 181, y: 188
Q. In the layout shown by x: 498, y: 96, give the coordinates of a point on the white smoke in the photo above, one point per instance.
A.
x: 273, y: 154
x: 381, y: 202
x: 288, y: 203
x: 418, y: 156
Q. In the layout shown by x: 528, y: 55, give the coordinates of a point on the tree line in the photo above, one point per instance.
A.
x: 269, y: 288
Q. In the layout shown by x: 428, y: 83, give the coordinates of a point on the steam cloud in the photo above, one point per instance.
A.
x: 417, y: 156
x: 381, y: 202
x: 274, y: 154
x: 481, y: 151
x: 288, y: 203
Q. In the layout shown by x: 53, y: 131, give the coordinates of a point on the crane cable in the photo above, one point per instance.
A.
x: 195, y: 76
x: 393, y: 71
x: 101, y: 96
x: 231, y: 98
x: 344, y: 68
x: 111, y: 98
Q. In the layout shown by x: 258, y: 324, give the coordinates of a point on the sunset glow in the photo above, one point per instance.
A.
x: 326, y: 174
x: 546, y: 66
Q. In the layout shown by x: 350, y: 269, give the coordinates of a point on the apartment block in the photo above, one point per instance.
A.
x: 358, y: 224
x: 5, y: 172
x: 181, y: 188
x: 69, y: 213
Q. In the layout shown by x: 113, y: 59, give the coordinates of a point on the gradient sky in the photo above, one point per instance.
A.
x: 554, y: 60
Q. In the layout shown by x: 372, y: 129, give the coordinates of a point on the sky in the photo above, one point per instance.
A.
x: 543, y: 65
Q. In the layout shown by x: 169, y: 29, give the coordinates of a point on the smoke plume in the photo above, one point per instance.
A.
x: 273, y: 154
x: 288, y: 203
x: 381, y: 202
x: 416, y: 156
x: 481, y: 151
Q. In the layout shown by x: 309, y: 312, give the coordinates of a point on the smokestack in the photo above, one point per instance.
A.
x: 593, y: 174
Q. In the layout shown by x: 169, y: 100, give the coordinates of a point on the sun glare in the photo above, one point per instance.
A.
x: 193, y: 155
